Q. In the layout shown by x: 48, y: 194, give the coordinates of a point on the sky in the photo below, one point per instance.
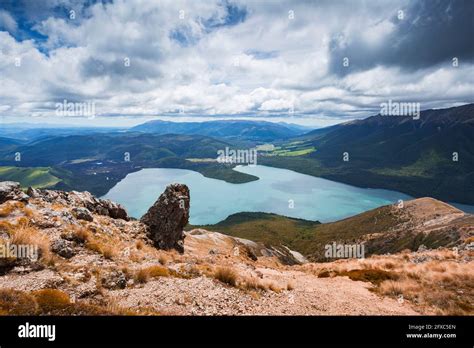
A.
x: 315, y: 63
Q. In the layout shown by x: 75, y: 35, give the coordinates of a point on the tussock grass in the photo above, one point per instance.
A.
x: 226, y: 275
x: 441, y: 283
x: 107, y: 251
x: 14, y: 302
x: 78, y: 234
x: 274, y: 287
x: 24, y: 234
x: 163, y: 259
x: 56, y: 302
x: 51, y: 300
x: 253, y: 283
x: 139, y: 244
x: 374, y: 276
x: 144, y: 274
x: 9, y: 207
x: 105, y: 246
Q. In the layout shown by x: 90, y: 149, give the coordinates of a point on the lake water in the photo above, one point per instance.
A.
x: 278, y: 191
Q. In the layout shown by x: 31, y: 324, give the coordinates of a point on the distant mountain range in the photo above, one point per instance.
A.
x: 96, y: 162
x: 431, y: 156
x: 235, y: 129
x: 24, y: 133
x: 238, y: 129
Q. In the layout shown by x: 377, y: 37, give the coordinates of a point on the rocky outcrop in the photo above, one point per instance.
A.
x: 10, y: 190
x: 82, y: 200
x: 202, y: 243
x: 167, y: 218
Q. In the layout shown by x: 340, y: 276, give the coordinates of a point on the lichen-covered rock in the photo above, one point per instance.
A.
x: 167, y: 218
x: 63, y: 248
x: 10, y: 190
x: 82, y: 213
x: 114, y: 210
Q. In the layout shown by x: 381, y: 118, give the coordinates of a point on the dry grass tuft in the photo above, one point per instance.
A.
x: 107, y: 251
x: 274, y: 287
x: 252, y: 283
x: 144, y: 274
x: 163, y: 259
x: 14, y: 302
x: 78, y: 234
x: 226, y: 275
x: 24, y: 234
x: 106, y: 247
x: 9, y: 207
x: 375, y: 276
x: 51, y: 300
x: 436, y: 281
x: 56, y: 302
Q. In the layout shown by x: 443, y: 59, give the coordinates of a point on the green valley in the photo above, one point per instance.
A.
x: 38, y: 177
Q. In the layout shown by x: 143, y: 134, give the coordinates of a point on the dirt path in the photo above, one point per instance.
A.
x: 310, y: 296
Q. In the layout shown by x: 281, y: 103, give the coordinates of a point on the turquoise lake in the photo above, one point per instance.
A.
x: 278, y: 191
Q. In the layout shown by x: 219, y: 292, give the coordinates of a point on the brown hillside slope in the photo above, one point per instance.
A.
x: 388, y: 229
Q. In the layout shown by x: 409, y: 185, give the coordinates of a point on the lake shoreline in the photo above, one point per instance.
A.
x: 278, y: 191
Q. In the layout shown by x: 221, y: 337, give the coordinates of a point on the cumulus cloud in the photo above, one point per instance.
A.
x: 240, y: 58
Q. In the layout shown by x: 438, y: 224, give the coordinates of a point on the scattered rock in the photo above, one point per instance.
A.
x: 115, y: 210
x: 63, y: 248
x: 82, y: 214
x: 114, y: 280
x: 33, y: 193
x: 10, y: 190
x: 469, y: 246
x: 167, y: 218
x: 422, y: 248
x: 421, y: 259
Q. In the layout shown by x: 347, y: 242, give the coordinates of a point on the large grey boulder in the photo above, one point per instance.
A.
x: 166, y: 219
x: 10, y: 190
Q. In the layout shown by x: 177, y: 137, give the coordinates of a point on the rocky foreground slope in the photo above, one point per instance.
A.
x: 89, y: 257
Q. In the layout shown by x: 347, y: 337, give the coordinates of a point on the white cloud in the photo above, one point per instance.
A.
x: 264, y: 65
